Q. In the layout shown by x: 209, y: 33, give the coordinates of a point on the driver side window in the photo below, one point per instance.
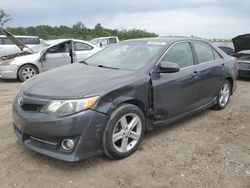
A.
x: 180, y: 54
x: 60, y: 48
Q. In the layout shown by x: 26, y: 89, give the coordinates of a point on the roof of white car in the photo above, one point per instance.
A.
x: 57, y: 41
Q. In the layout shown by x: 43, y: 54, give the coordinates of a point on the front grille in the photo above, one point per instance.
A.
x: 32, y: 107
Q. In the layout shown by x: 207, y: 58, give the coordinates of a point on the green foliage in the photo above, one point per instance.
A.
x: 4, y: 18
x: 78, y: 31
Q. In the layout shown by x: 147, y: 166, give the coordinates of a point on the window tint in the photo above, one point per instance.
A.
x: 60, y: 48
x: 227, y: 50
x: 79, y: 46
x: 7, y: 41
x: 180, y: 54
x: 30, y: 40
x: 216, y: 55
x: 112, y: 40
x: 204, y: 52
x: 24, y: 40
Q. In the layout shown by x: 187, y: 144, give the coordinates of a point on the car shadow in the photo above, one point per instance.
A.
x: 244, y: 79
x: 5, y: 81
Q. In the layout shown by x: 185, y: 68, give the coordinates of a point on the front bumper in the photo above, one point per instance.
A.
x: 8, y: 71
x: 43, y: 133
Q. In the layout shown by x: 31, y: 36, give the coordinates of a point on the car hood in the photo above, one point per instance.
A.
x: 76, y: 81
x: 12, y: 56
x: 241, y: 42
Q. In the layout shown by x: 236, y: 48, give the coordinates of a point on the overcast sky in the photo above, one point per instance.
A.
x: 203, y: 18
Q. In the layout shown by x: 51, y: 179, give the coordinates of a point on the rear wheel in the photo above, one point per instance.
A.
x: 124, y: 131
x: 25, y: 72
x: 223, y: 96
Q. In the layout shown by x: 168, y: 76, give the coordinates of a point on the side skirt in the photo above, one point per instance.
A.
x: 156, y: 124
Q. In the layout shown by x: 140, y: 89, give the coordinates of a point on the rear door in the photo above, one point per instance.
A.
x: 211, y: 70
x: 57, y: 56
x: 176, y: 93
x: 82, y: 50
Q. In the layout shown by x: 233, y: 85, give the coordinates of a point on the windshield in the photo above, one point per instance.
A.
x: 39, y: 47
x: 95, y: 41
x: 126, y: 55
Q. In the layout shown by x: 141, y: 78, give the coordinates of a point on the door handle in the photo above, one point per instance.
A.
x: 195, y: 73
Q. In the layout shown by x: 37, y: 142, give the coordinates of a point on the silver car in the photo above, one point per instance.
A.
x: 45, y: 56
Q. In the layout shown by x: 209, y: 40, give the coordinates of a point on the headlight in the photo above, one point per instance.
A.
x: 62, y: 108
x: 6, y: 62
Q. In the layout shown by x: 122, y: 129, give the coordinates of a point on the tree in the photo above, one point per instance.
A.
x: 4, y: 18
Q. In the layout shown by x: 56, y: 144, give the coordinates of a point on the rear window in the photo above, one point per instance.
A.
x: 30, y: 40
x: 4, y: 40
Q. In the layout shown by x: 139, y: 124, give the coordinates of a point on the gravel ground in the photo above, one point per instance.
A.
x: 211, y: 149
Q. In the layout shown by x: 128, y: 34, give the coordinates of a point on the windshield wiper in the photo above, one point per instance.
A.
x: 103, y: 66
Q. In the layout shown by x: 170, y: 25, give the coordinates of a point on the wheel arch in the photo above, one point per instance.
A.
x: 231, y: 81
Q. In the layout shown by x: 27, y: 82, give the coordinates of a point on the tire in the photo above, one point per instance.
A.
x: 124, y: 131
x: 25, y: 72
x: 223, y: 96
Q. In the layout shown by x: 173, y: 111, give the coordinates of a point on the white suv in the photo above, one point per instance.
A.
x: 104, y: 41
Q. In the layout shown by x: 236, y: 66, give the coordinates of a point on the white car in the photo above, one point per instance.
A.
x: 103, y: 42
x: 45, y: 56
x: 7, y: 47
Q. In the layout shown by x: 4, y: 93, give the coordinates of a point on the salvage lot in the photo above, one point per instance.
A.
x: 211, y: 149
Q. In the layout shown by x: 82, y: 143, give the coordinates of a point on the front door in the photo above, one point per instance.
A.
x: 176, y: 93
x: 57, y: 56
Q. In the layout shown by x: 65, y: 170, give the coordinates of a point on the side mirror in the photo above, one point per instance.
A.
x: 168, y: 67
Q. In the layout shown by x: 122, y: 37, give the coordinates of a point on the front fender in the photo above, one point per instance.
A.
x: 134, y: 92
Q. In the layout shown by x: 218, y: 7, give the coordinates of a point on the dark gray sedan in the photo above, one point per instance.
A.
x: 106, y: 103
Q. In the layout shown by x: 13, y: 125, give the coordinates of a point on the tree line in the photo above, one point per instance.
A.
x: 78, y: 31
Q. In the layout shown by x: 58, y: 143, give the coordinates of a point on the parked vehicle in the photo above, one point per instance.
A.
x: 242, y: 49
x: 45, y: 56
x: 227, y: 49
x: 104, y: 41
x: 106, y: 103
x: 7, y: 47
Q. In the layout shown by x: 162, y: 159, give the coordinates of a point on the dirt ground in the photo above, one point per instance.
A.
x: 211, y: 149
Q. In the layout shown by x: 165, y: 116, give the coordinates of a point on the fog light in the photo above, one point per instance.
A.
x: 68, y: 144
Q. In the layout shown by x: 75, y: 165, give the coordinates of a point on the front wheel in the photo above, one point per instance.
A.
x: 124, y: 131
x: 25, y: 72
x: 223, y: 96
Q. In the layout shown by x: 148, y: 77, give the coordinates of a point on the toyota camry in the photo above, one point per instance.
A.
x: 106, y: 103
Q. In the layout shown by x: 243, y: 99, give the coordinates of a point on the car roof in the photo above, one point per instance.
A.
x: 57, y: 41
x: 167, y: 39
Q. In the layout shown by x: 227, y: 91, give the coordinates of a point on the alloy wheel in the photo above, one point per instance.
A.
x: 224, y: 94
x: 127, y: 132
x: 28, y: 72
